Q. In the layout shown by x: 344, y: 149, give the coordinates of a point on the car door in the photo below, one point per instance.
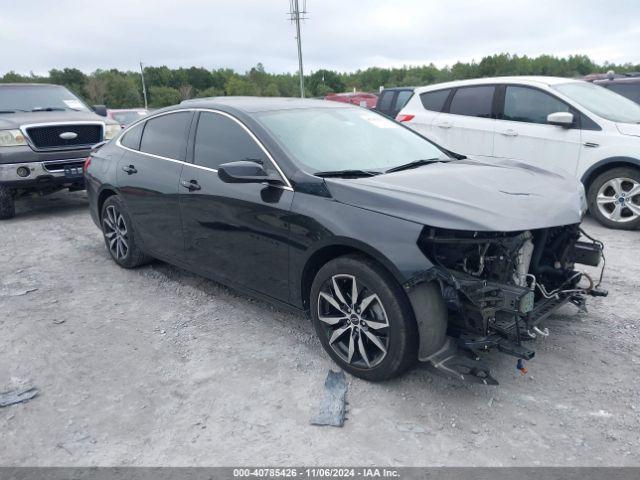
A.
x: 235, y: 232
x: 522, y: 131
x: 467, y: 122
x: 149, y: 179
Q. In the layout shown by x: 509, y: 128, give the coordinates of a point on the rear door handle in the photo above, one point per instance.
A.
x: 510, y: 133
x: 190, y: 185
x: 130, y: 169
x: 443, y: 125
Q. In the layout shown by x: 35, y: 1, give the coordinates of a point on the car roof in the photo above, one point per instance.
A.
x: 603, y: 81
x: 33, y: 84
x: 262, y: 104
x: 524, y: 79
x: 399, y: 88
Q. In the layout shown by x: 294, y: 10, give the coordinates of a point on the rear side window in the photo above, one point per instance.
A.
x: 530, y: 105
x: 384, y: 102
x: 166, y: 135
x: 131, y: 139
x: 473, y: 101
x: 629, y: 90
x: 402, y: 99
x: 434, y: 101
x: 220, y: 139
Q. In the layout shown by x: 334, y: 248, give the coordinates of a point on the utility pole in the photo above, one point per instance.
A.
x: 144, y: 87
x: 296, y: 15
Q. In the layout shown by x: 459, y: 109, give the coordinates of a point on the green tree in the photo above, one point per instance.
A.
x: 239, y: 86
x: 163, y: 96
x: 324, y: 78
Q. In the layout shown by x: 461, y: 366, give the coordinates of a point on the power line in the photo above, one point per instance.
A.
x: 295, y: 15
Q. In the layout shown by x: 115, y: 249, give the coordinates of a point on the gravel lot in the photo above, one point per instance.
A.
x: 157, y: 366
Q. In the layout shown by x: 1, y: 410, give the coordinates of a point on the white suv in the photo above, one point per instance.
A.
x: 555, y: 123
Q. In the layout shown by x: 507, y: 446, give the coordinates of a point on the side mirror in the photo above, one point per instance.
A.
x: 560, y: 119
x: 245, y: 171
x: 100, y: 110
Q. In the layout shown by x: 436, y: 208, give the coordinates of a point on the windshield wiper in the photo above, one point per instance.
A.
x: 416, y: 163
x: 347, y: 173
x: 48, y: 109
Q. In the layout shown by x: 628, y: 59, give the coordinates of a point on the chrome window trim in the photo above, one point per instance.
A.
x: 23, y: 129
x: 287, y: 184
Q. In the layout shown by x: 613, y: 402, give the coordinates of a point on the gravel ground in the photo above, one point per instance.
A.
x: 157, y: 366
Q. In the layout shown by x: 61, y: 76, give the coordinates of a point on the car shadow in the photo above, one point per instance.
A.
x: 57, y: 204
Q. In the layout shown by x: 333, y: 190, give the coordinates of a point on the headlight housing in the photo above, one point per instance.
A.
x: 111, y: 131
x: 12, y: 138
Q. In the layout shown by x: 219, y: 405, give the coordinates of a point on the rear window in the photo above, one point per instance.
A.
x: 434, y: 101
x: 131, y: 139
x: 473, y: 101
x: 402, y: 99
x: 166, y: 135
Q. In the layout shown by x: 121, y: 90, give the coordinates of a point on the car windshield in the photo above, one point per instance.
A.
x: 125, y: 118
x: 350, y: 138
x: 601, y: 101
x: 28, y: 98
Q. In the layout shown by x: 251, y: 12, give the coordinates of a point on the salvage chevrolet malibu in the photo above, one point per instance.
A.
x: 397, y: 249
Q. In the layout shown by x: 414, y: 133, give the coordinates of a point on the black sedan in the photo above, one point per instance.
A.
x: 397, y: 249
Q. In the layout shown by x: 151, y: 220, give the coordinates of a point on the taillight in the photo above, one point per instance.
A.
x: 86, y: 164
x: 404, y: 118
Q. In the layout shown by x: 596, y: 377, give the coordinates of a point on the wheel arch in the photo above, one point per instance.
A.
x: 324, y: 254
x: 606, y: 164
x: 105, y: 193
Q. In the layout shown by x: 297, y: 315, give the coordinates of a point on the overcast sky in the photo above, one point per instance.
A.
x: 38, y: 35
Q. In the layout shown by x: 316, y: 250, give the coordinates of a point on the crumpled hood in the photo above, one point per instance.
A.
x: 16, y: 120
x: 500, y: 195
x: 629, y: 129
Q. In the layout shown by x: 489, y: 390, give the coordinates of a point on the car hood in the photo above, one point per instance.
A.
x: 629, y: 129
x: 500, y: 196
x: 16, y: 120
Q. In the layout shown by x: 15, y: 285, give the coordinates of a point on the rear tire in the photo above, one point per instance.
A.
x: 119, y: 235
x: 7, y: 203
x: 374, y: 337
x: 614, y: 198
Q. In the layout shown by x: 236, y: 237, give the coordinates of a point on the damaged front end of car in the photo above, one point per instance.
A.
x: 500, y: 287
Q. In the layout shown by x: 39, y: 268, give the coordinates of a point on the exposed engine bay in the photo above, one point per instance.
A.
x: 500, y: 287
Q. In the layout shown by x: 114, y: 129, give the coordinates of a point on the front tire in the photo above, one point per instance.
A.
x: 363, y: 318
x: 119, y: 235
x: 7, y: 203
x: 614, y: 198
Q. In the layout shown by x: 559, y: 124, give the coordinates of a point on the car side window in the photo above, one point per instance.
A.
x: 384, y: 102
x: 131, y: 139
x: 522, y: 104
x: 473, y: 101
x: 401, y: 99
x: 166, y: 135
x: 434, y: 101
x: 220, y: 139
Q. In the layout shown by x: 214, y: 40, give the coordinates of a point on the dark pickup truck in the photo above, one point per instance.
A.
x: 46, y: 132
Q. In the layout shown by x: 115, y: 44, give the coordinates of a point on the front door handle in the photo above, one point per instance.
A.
x: 190, y: 185
x: 444, y: 125
x: 510, y: 133
x: 130, y: 169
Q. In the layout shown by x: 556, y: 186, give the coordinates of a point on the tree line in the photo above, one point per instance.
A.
x: 167, y: 86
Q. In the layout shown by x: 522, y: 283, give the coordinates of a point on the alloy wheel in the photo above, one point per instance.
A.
x: 116, y: 233
x: 354, y: 321
x: 619, y: 200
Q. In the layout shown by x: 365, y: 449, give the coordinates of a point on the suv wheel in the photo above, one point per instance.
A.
x: 614, y: 198
x: 7, y: 204
x: 363, y: 318
x: 119, y: 235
